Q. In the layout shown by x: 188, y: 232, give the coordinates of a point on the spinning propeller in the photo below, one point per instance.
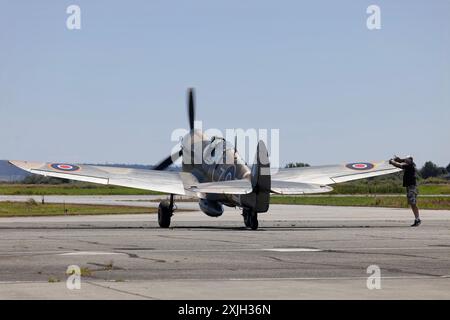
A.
x: 164, y: 164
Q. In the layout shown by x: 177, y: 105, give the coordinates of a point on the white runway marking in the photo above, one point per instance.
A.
x: 293, y: 250
x: 89, y: 253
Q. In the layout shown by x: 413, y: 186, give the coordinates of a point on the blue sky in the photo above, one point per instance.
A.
x: 114, y: 90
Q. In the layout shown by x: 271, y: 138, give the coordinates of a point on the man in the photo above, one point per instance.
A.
x: 409, y: 181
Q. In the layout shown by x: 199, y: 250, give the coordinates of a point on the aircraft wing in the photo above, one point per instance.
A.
x: 331, y: 174
x: 180, y: 183
x: 290, y: 188
x: 243, y: 186
x: 161, y: 181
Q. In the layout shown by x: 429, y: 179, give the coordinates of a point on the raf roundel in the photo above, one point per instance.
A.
x: 360, y: 166
x: 65, y: 167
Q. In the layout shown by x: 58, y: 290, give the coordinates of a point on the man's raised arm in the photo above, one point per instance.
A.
x: 397, y: 162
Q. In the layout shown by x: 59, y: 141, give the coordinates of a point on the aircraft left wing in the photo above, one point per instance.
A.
x: 292, y: 188
x: 161, y: 181
x: 332, y: 174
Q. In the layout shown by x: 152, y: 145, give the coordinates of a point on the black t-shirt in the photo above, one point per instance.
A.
x: 409, y: 175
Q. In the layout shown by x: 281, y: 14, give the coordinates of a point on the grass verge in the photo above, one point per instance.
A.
x: 32, y: 208
x: 81, y: 188
x: 388, y: 188
x: 70, y: 189
x: 369, y: 201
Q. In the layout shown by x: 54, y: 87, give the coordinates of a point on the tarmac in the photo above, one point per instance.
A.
x: 299, y: 252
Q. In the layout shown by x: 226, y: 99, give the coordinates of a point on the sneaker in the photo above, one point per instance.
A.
x: 416, y: 223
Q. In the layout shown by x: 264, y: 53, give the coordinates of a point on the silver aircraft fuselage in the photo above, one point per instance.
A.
x: 211, y: 160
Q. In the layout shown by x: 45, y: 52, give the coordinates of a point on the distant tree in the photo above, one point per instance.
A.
x: 448, y: 168
x: 297, y: 165
x: 430, y: 169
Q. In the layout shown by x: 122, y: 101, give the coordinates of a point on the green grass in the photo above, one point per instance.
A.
x: 387, y: 188
x: 390, y: 184
x: 370, y: 201
x: 428, y: 189
x: 73, y: 189
x: 53, y: 280
x: 356, y: 187
x: 32, y: 208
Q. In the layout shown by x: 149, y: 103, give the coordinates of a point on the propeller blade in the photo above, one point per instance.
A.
x: 163, y: 165
x: 191, y: 110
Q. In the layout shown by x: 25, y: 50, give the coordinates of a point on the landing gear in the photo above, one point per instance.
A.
x: 253, y: 221
x: 250, y: 219
x: 165, y: 212
x: 246, y: 214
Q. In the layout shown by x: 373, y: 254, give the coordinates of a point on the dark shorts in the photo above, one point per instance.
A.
x: 411, y: 194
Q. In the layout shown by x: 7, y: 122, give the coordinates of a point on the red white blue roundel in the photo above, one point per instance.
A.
x: 65, y: 167
x: 360, y: 166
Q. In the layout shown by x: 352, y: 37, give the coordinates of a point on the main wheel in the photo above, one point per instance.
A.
x: 246, y: 213
x: 253, y: 220
x: 165, y: 211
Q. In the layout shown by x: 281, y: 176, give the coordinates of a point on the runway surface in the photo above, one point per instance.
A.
x: 299, y: 252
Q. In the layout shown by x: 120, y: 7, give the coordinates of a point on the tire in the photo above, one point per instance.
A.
x: 164, y: 214
x: 253, y: 221
x: 246, y: 215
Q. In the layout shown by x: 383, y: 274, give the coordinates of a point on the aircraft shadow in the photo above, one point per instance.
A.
x: 203, y: 228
